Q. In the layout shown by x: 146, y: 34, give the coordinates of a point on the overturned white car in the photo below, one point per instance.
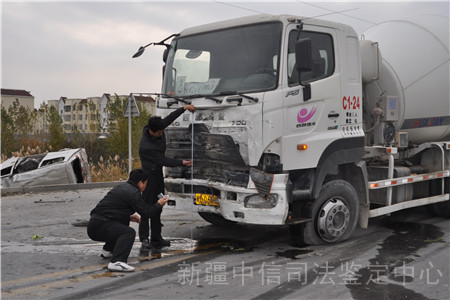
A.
x: 62, y: 167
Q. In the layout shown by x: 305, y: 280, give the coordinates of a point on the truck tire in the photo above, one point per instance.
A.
x: 215, y: 219
x: 334, y: 214
x: 440, y: 209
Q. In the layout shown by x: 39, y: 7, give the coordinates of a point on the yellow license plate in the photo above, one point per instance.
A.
x: 206, y: 199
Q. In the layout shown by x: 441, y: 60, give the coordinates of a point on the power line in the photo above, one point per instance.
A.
x: 236, y: 6
x: 307, y: 3
x: 335, y: 12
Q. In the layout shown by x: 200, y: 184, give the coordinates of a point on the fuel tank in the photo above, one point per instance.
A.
x: 414, y: 71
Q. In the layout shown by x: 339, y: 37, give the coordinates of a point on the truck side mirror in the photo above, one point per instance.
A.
x: 165, y: 54
x: 164, y: 58
x: 303, y: 60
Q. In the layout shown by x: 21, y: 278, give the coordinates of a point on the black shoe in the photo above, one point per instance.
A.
x: 146, y: 244
x: 165, y: 243
x: 144, y: 251
x: 156, y: 253
x: 162, y: 243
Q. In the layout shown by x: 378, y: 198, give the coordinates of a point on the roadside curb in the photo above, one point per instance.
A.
x: 59, y: 187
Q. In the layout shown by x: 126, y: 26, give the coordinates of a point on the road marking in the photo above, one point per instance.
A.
x: 42, y: 289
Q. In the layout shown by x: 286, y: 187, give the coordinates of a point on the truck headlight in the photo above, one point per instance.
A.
x: 256, y: 201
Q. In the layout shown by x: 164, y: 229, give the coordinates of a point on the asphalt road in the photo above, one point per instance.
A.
x: 46, y: 254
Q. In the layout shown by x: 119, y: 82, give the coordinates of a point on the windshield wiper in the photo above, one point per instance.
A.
x: 172, y: 97
x: 253, y: 99
x: 218, y: 101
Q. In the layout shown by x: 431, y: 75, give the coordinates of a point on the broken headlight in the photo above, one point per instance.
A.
x: 256, y: 201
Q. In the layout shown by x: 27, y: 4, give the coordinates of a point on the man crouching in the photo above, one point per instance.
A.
x: 110, y: 219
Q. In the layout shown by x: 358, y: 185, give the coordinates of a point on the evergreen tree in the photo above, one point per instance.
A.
x: 56, y: 138
x: 17, y: 127
x: 23, y: 119
x: 7, y: 134
x: 117, y: 140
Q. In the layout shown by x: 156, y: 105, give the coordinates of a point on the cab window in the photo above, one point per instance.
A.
x: 322, y: 57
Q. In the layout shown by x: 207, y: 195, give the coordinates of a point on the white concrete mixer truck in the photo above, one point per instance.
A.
x: 302, y: 123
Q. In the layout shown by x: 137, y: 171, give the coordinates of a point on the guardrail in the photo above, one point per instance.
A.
x: 59, y: 187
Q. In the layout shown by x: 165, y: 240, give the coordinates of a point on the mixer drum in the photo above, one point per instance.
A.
x: 414, y: 67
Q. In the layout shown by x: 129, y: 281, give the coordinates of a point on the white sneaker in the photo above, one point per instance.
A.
x: 119, y: 266
x: 106, y: 254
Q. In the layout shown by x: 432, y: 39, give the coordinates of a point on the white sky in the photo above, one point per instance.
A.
x: 84, y: 49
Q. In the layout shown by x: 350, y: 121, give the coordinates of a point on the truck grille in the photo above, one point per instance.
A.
x: 216, y: 156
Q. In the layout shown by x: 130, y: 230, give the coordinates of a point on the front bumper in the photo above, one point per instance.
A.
x: 231, y: 199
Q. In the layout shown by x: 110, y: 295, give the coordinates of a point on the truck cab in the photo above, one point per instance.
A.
x: 253, y: 119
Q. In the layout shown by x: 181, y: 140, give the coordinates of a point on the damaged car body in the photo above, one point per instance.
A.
x: 67, y: 166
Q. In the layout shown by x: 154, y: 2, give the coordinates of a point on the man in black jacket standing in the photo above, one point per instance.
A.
x: 152, y: 152
x: 110, y: 219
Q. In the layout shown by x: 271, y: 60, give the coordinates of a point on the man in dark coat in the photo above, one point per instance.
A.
x: 152, y: 152
x: 110, y: 219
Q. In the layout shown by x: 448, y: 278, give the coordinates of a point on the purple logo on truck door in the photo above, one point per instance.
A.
x: 304, y: 114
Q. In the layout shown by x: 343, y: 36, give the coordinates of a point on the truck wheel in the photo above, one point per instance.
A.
x: 444, y: 209
x: 334, y: 214
x: 215, y: 219
x: 440, y: 209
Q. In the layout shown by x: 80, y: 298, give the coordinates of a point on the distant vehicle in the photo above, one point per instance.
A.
x: 62, y: 167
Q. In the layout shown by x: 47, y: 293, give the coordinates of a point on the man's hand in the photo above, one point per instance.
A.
x: 189, y: 107
x: 163, y: 201
x: 187, y: 163
x: 135, y: 218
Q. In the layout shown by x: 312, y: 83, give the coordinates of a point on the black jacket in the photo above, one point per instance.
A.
x: 152, y: 151
x: 121, y: 202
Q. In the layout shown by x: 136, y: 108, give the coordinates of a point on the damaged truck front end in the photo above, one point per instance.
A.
x: 220, y: 185
x: 226, y: 70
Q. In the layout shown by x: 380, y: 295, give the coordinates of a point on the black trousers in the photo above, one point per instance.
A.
x: 154, y: 187
x: 118, y: 238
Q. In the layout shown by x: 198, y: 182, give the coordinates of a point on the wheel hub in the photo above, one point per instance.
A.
x: 333, y: 219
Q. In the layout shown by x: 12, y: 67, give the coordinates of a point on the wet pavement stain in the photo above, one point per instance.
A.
x: 293, y: 253
x: 189, y: 246
x: 237, y: 247
x: 375, y: 280
x: 226, y: 244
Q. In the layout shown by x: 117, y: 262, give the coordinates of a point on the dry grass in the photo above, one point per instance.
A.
x: 27, y: 152
x: 111, y: 169
x: 23, y: 152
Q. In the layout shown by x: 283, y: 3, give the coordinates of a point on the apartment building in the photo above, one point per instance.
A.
x: 90, y: 115
x: 84, y: 115
x: 8, y: 96
x: 80, y: 115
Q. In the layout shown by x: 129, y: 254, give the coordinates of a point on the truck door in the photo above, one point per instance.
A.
x: 314, y: 122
